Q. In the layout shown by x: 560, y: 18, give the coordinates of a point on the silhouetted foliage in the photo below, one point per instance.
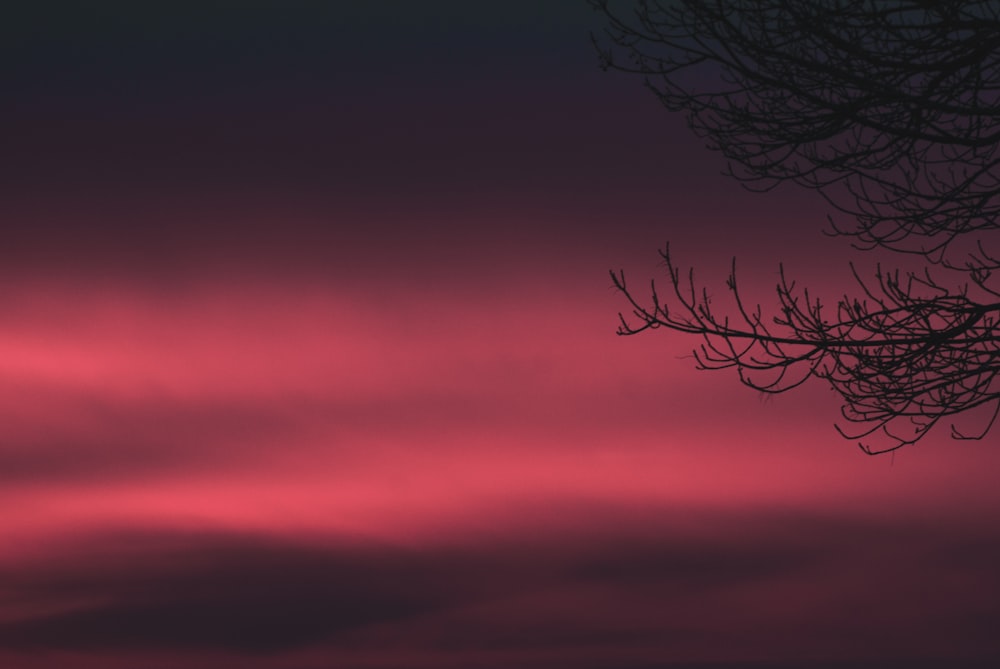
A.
x: 891, y: 110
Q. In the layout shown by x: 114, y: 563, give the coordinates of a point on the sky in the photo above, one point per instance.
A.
x: 308, y: 359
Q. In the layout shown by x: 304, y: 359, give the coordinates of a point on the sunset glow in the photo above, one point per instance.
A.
x: 304, y: 364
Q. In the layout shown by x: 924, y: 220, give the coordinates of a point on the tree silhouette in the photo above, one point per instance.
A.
x: 891, y: 110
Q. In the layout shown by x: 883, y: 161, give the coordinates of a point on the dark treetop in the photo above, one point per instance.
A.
x: 891, y: 110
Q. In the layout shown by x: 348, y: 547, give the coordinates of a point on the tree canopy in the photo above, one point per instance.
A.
x: 890, y: 109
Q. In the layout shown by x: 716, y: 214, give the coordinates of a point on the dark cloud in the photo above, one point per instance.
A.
x: 242, y: 594
x: 838, y: 587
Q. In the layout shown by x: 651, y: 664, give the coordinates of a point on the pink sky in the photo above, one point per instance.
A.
x: 479, y: 472
x: 300, y: 376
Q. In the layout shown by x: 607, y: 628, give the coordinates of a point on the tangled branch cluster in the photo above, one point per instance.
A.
x: 900, y: 362
x: 891, y: 110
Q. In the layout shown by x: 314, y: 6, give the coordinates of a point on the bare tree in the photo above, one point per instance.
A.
x: 891, y: 110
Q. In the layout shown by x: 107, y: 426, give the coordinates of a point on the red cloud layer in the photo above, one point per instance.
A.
x: 281, y: 469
